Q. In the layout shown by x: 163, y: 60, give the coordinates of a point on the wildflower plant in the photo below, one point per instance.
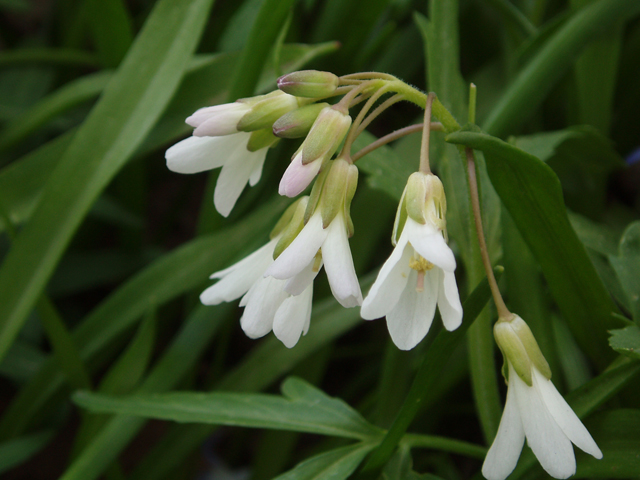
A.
x: 332, y: 190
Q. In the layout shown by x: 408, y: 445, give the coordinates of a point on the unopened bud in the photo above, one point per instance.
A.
x: 309, y: 83
x: 327, y: 133
x: 298, y: 123
x: 266, y: 110
x: 334, y: 191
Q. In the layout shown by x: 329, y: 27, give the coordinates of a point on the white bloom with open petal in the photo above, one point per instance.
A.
x: 336, y: 255
x: 269, y: 304
x: 239, y: 165
x: 539, y: 413
x: 407, y: 300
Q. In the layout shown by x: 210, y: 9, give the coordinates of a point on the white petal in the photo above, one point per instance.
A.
x: 564, y: 416
x: 297, y: 284
x: 238, y: 278
x: 391, y: 281
x: 234, y: 176
x: 429, y: 243
x: 256, y: 173
x: 505, y: 450
x: 338, y: 263
x: 218, y: 120
x: 262, y: 301
x: 411, y: 318
x: 547, y: 440
x: 197, y: 154
x: 292, y: 318
x: 297, y: 176
x: 299, y: 254
x: 449, y: 301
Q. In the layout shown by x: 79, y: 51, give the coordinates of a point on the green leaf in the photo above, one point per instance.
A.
x: 531, y: 193
x: 70, y: 95
x: 302, y: 408
x: 335, y: 464
x: 22, y: 362
x: 548, y: 66
x: 55, y: 56
x: 626, y: 341
x: 127, y: 110
x: 18, y: 450
x: 112, y: 29
x: 174, y: 274
x: 617, y: 433
x: 627, y: 267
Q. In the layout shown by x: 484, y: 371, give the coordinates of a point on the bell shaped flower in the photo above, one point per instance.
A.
x: 419, y: 274
x: 240, y: 155
x: 269, y: 303
x: 534, y: 410
x: 324, y: 138
x: 327, y: 228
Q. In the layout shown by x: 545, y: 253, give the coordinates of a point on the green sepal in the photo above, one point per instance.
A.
x: 298, y: 123
x: 266, y: 111
x: 352, y: 185
x: 316, y: 190
x: 416, y: 196
x: 513, y: 350
x: 293, y: 227
x: 531, y: 346
x: 326, y: 134
x: 400, y: 220
x: 285, y: 218
x: 260, y: 139
x: 333, y: 191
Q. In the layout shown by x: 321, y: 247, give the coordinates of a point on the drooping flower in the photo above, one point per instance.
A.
x: 240, y: 161
x: 534, y: 410
x: 327, y: 230
x: 269, y: 304
x: 419, y: 274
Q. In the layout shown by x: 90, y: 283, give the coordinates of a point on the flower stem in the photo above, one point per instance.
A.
x: 402, y: 132
x: 379, y: 109
x: 503, y: 311
x: 368, y: 76
x: 426, y: 132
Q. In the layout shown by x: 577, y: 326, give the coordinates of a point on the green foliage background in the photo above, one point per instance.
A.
x: 103, y: 251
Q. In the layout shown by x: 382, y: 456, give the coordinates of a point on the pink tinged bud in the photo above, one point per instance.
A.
x: 297, y: 177
x: 217, y: 120
x: 309, y: 83
x: 327, y: 133
x: 297, y: 123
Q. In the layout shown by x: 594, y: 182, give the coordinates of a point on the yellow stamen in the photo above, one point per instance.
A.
x: 317, y: 261
x: 420, y: 264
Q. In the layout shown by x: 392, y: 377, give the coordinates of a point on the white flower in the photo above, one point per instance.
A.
x: 539, y: 413
x: 239, y: 165
x: 298, y: 176
x: 270, y: 304
x: 417, y: 276
x: 218, y: 120
x: 336, y: 256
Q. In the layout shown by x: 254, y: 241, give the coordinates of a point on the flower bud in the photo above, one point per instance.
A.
x: 326, y: 134
x: 297, y: 123
x: 519, y: 347
x: 265, y: 110
x: 334, y: 190
x: 309, y: 83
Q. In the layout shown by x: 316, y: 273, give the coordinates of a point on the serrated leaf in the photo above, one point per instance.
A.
x: 303, y: 408
x: 531, y: 193
x: 626, y: 341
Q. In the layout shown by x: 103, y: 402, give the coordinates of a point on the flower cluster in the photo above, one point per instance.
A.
x: 276, y: 281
